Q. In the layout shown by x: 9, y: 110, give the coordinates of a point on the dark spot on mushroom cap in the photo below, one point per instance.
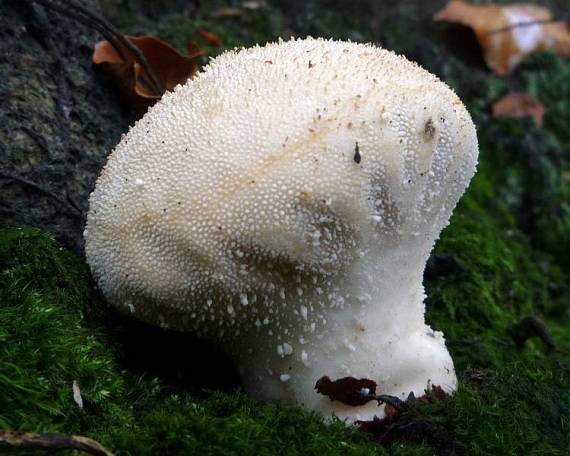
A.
x: 357, y: 156
x: 429, y: 130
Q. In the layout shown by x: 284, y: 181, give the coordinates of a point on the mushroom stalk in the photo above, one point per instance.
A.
x: 377, y: 332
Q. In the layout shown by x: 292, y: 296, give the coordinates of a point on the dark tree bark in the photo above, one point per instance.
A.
x: 58, y: 120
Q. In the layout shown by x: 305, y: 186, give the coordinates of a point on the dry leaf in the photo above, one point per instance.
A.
x: 503, y: 40
x: 519, y: 104
x: 348, y: 390
x: 253, y: 5
x: 212, y: 38
x: 194, y: 51
x: 77, y: 394
x: 437, y: 393
x: 398, y: 425
x: 226, y: 12
x: 391, y: 412
x: 170, y: 66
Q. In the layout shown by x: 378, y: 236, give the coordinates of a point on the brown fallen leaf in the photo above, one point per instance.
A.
x: 378, y: 428
x: 436, y: 393
x: 507, y: 33
x: 253, y: 5
x: 227, y: 12
x: 170, y: 67
x: 516, y: 104
x: 348, y: 390
x: 391, y: 412
x: 210, y: 37
x: 194, y: 51
x: 400, y: 425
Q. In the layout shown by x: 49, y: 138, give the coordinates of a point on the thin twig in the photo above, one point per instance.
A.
x: 87, y: 22
x: 75, y: 211
x: 124, y: 41
x: 394, y: 401
x: 524, y: 24
x: 51, y: 441
x: 113, y: 35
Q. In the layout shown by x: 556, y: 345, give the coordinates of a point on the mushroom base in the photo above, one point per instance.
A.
x: 401, y: 362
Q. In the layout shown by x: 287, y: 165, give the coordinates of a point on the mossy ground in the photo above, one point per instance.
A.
x: 505, y: 255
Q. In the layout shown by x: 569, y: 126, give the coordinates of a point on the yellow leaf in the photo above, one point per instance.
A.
x: 508, y: 33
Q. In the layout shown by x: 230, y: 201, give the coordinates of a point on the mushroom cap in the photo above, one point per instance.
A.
x: 282, y: 181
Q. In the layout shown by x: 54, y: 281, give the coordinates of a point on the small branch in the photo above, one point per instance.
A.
x: 396, y: 402
x: 524, y: 24
x: 124, y: 41
x: 51, y: 4
x: 113, y: 35
x: 74, y: 210
x: 51, y: 441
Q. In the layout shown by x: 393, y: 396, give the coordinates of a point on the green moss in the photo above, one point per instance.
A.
x: 508, y: 240
x: 522, y: 408
x: 521, y: 399
x: 47, y: 342
x: 234, y: 424
x: 44, y: 342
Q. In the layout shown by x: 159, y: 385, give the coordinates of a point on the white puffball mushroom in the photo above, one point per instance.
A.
x: 284, y: 204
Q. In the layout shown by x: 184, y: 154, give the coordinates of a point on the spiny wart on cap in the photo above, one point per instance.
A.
x: 284, y: 203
